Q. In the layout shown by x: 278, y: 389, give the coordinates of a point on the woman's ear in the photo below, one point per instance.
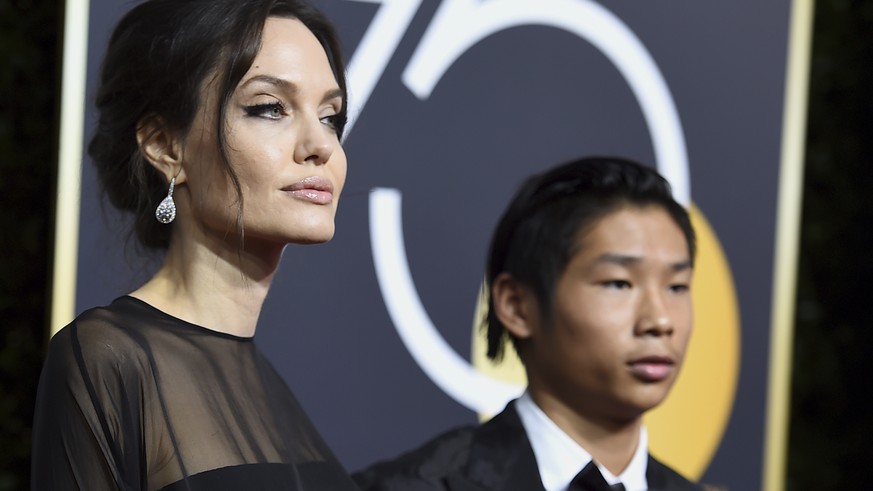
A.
x: 161, y: 147
x: 515, y: 306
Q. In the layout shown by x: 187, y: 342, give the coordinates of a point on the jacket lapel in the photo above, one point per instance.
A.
x: 501, y: 458
x: 662, y: 478
x: 655, y: 475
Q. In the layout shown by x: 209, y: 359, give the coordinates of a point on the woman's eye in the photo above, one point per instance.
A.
x: 270, y: 110
x: 331, y: 121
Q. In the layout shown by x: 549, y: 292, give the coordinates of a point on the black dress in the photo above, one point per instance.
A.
x: 133, y: 398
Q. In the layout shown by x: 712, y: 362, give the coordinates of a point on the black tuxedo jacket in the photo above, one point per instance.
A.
x: 495, y: 456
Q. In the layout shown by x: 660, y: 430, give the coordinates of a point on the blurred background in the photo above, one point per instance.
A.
x: 830, y: 423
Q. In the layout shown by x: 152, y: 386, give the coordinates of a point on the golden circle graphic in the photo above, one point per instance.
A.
x: 686, y: 429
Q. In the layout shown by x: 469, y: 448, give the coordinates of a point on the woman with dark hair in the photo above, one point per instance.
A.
x: 219, y: 131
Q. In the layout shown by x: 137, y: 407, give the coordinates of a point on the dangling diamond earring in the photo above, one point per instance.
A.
x: 166, y: 211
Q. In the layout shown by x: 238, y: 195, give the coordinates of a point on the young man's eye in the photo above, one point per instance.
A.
x: 679, y: 288
x: 617, y: 284
x: 269, y: 110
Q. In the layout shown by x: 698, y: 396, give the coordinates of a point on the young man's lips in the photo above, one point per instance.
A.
x: 652, y: 368
x: 314, y: 189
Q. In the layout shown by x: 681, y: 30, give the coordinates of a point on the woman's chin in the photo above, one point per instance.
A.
x: 318, y: 235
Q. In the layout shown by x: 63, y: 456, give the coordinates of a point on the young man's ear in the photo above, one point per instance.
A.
x: 161, y: 147
x: 515, y: 306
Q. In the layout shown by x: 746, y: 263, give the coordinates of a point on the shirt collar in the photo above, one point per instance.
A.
x: 560, y: 458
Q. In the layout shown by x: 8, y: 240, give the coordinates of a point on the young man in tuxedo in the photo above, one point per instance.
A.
x: 589, y: 271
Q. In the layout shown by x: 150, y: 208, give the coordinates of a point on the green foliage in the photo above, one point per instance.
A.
x: 28, y: 121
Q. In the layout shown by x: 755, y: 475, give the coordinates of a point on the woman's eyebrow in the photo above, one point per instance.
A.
x: 271, y: 80
x: 333, y: 94
x: 290, y: 87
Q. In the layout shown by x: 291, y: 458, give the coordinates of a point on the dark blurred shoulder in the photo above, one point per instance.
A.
x: 423, y: 468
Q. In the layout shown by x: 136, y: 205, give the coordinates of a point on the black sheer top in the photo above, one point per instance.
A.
x: 132, y: 398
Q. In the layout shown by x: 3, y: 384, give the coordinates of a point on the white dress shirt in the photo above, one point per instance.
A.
x: 560, y: 458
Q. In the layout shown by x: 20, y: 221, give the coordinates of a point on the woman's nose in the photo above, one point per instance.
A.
x: 316, y: 142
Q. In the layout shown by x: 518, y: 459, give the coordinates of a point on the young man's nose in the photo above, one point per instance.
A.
x: 654, y: 318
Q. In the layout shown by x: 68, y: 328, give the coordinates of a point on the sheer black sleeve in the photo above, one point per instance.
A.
x: 86, y: 432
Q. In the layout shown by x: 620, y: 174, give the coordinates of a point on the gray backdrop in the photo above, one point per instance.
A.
x: 518, y: 101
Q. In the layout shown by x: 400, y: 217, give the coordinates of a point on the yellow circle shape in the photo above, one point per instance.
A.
x: 686, y: 429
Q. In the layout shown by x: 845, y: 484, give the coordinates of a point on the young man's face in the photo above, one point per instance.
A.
x: 621, y: 319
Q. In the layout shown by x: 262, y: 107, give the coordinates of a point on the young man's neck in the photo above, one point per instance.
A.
x: 611, y: 442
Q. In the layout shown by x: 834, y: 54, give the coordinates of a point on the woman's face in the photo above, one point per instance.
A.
x: 281, y: 142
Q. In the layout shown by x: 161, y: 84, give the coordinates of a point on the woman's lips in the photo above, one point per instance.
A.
x: 652, y: 368
x: 314, y: 189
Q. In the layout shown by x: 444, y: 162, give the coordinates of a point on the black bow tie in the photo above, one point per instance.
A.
x: 590, y: 479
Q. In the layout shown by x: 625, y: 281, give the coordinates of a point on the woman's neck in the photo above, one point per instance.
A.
x: 215, y: 286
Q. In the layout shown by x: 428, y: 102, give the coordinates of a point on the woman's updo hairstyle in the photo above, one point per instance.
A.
x: 158, y: 58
